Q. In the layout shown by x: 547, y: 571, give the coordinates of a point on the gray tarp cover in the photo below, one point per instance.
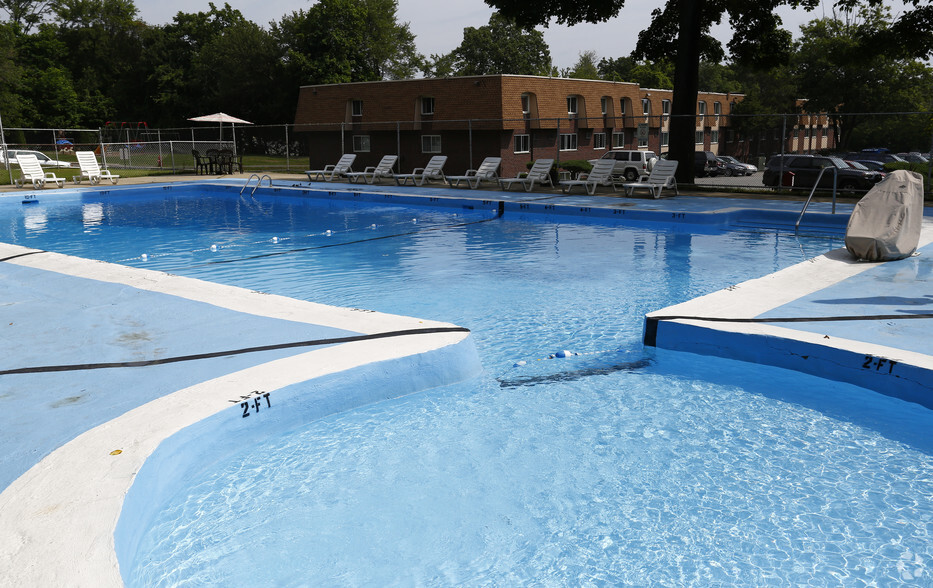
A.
x: 885, y: 224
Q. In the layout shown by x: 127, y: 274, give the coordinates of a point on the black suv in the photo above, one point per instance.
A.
x: 705, y: 164
x: 806, y: 168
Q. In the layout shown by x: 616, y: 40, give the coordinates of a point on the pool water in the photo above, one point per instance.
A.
x: 614, y: 465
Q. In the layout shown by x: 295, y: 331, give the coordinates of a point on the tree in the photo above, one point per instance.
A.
x: 25, y: 14
x: 842, y: 69
x: 338, y: 41
x: 682, y: 29
x: 585, y: 68
x: 499, y: 47
x: 658, y: 74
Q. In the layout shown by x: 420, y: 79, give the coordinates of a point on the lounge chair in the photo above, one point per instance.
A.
x: 434, y: 170
x: 33, y: 172
x: 600, y: 175
x: 661, y: 176
x: 487, y: 171
x: 91, y: 170
x: 373, y: 173
x: 540, y: 172
x: 331, y: 172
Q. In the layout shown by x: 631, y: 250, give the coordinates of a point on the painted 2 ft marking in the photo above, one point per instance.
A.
x: 251, y: 406
x: 879, y: 363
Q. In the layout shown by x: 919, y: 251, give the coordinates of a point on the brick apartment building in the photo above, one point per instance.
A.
x: 518, y: 118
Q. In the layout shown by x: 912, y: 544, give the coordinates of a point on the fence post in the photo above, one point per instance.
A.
x: 288, y: 167
x: 171, y: 150
x: 470, y: 132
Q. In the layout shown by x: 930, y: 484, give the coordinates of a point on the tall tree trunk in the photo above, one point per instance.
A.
x: 686, y: 88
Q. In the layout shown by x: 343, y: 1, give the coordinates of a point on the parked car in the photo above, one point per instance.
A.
x: 869, y: 163
x: 706, y: 164
x: 806, y: 169
x: 914, y: 157
x: 630, y: 164
x: 734, y: 167
x: 880, y: 170
x: 881, y: 155
x: 44, y: 160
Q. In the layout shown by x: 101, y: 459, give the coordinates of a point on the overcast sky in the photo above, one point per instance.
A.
x: 438, y: 24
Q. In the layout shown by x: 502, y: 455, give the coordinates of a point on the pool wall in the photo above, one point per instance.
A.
x: 184, y: 454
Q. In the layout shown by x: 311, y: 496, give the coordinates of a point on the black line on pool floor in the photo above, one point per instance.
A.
x: 166, y: 360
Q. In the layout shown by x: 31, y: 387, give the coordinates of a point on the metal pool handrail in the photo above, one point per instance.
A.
x: 258, y: 183
x: 813, y: 190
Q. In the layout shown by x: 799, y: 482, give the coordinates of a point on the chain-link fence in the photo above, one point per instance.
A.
x: 740, y: 140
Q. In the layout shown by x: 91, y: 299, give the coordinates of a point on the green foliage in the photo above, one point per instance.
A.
x: 576, y: 166
x: 338, y: 41
x: 659, y: 74
x: 585, y: 68
x: 841, y: 69
x: 500, y: 47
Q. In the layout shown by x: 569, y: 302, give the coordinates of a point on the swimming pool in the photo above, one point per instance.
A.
x: 617, y: 465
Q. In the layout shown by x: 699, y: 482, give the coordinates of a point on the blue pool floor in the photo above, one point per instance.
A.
x: 58, y: 311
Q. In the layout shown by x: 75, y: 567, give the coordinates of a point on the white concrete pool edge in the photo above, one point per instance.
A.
x: 781, y: 345
x: 58, y: 519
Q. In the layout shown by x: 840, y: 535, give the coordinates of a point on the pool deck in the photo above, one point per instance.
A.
x: 100, y: 365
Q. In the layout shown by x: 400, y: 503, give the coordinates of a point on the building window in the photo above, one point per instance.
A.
x: 714, y: 136
x: 430, y: 143
x: 361, y: 143
x: 646, y: 107
x: 665, y: 138
x: 642, y: 140
x: 604, y: 105
x: 427, y: 105
x: 522, y: 143
x: 526, y: 104
x: 618, y: 140
x: 568, y: 142
x: 699, y: 138
x: 357, y: 108
x: 622, y: 106
x: 572, y: 105
x: 717, y: 110
x: 701, y: 109
x: 599, y: 140
x: 666, y: 108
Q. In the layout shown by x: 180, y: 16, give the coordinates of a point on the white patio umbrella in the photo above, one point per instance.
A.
x: 220, y: 118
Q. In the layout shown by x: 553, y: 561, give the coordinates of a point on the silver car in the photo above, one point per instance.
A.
x: 734, y: 167
x: 44, y: 160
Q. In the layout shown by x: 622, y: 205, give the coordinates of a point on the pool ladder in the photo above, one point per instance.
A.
x: 258, y: 183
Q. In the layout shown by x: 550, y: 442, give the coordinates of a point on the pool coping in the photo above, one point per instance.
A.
x: 88, y: 497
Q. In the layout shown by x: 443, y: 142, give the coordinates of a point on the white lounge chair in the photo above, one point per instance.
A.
x: 434, y: 170
x: 343, y: 166
x: 661, y: 176
x: 540, y: 172
x: 488, y: 171
x: 91, y: 170
x: 33, y: 172
x: 373, y: 173
x: 600, y: 175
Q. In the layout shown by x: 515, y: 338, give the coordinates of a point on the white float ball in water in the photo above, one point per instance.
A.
x: 213, y: 247
x: 519, y: 363
x: 563, y: 353
x: 328, y: 232
x: 275, y: 239
x: 144, y: 257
